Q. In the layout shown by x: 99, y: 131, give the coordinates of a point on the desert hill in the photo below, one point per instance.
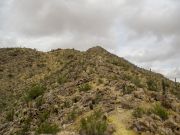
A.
x: 69, y: 92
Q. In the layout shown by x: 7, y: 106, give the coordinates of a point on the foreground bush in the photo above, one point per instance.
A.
x: 93, y: 124
x: 34, y: 92
x: 160, y: 111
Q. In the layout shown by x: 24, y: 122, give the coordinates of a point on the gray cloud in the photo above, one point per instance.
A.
x: 145, y: 32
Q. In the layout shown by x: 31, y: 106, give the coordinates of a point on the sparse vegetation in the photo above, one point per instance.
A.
x: 39, y: 101
x: 73, y: 114
x: 25, y: 127
x: 100, y: 81
x: 44, y: 115
x: 47, y: 128
x: 138, y: 112
x: 84, y: 87
x: 128, y: 89
x: 137, y: 81
x: 62, y: 79
x: 93, y: 124
x: 76, y: 85
x: 10, y: 115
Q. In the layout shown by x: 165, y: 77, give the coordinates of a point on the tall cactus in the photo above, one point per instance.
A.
x: 175, y: 84
x: 164, y: 87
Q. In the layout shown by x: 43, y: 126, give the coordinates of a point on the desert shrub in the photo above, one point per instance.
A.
x: 114, y: 77
x: 93, y: 124
x: 100, y: 81
x: 47, y: 128
x: 98, y: 98
x: 62, y: 79
x: 34, y: 92
x: 67, y: 104
x: 127, y: 89
x: 152, y: 85
x: 44, y: 115
x: 138, y: 112
x: 115, y: 62
x: 25, y: 127
x: 10, y: 115
x: 72, y: 115
x: 126, y: 77
x: 39, y: 101
x: 160, y: 111
x: 84, y: 87
x: 136, y: 80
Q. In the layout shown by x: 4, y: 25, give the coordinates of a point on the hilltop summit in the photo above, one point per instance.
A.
x: 68, y: 92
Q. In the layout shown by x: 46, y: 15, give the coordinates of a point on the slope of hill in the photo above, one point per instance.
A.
x: 68, y: 92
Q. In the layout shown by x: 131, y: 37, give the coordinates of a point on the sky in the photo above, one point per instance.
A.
x: 145, y: 32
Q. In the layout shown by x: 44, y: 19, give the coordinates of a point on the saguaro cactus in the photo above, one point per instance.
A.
x: 175, y: 84
x: 164, y: 87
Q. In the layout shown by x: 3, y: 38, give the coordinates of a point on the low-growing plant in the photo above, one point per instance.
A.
x: 127, y: 89
x: 136, y: 80
x: 93, y: 124
x: 44, y: 115
x: 85, y: 87
x: 126, y: 77
x: 34, y: 92
x: 160, y: 111
x: 10, y: 115
x: 62, y: 79
x: 72, y: 115
x: 138, y: 112
x: 47, y: 128
x: 100, y: 81
x: 67, y: 104
x: 39, y: 101
x: 25, y: 127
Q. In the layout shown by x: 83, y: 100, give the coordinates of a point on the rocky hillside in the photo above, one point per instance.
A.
x: 68, y: 92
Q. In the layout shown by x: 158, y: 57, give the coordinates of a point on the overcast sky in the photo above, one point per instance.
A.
x: 146, y: 32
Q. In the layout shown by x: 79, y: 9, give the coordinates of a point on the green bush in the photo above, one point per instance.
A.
x: 160, y: 111
x: 47, y: 128
x: 138, y: 112
x: 93, y: 124
x: 10, y: 115
x: 34, y: 92
x: 152, y: 85
x: 84, y: 87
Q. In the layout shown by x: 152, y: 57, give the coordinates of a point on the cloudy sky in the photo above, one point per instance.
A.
x: 146, y: 32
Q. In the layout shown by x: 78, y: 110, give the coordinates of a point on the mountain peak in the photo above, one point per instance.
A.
x: 96, y: 49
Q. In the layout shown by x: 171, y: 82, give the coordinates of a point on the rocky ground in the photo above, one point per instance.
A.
x: 55, y: 90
